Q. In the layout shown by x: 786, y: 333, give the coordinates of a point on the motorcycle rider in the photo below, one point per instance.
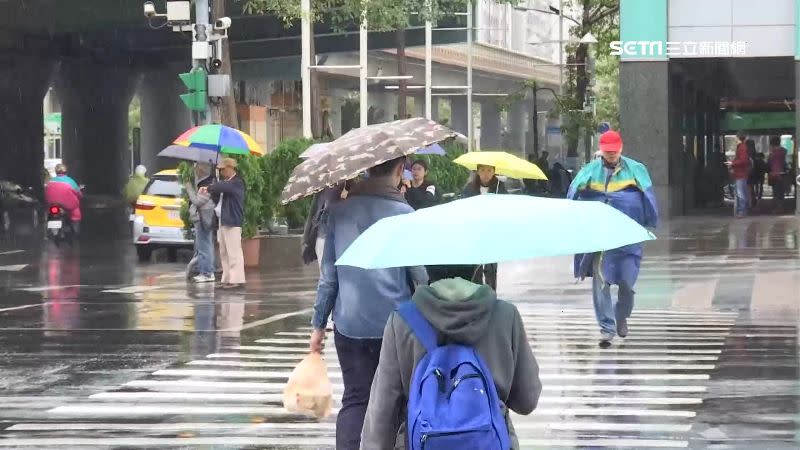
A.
x: 65, y: 192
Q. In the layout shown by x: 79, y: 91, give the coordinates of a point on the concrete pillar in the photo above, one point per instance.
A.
x: 419, y: 107
x: 94, y: 126
x: 23, y: 84
x: 458, y: 112
x: 796, y: 150
x: 518, y: 125
x: 649, y: 130
x: 164, y: 116
x: 490, y: 125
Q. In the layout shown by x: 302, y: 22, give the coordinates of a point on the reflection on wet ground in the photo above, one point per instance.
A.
x: 98, y: 351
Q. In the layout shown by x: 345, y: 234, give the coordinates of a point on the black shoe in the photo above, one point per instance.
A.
x: 622, y: 327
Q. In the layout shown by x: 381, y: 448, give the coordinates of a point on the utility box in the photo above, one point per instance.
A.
x: 219, y: 85
x: 179, y: 11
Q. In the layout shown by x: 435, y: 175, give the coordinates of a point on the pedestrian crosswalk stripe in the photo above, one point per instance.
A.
x: 305, y: 442
x: 159, y: 409
x: 553, y: 341
x: 566, y: 358
x: 285, y: 374
x: 228, y: 397
x: 195, y: 385
x: 590, y: 349
x: 562, y: 366
x: 578, y: 334
x: 328, y: 427
x: 608, y: 442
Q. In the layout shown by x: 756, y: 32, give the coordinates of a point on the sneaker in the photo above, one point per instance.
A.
x: 204, y: 279
x: 622, y: 327
x: 605, y: 339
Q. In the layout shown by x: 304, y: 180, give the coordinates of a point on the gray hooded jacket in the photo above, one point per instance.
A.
x: 471, y: 316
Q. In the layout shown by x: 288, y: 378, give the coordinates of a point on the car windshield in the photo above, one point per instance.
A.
x: 164, y: 186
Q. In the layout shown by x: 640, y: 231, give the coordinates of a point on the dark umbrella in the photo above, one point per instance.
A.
x: 360, y: 150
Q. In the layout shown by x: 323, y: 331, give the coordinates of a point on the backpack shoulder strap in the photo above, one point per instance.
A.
x: 419, y: 325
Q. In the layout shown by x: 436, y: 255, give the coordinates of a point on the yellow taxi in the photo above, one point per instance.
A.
x: 157, y: 217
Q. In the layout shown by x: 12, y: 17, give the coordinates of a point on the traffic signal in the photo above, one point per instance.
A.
x: 195, y: 81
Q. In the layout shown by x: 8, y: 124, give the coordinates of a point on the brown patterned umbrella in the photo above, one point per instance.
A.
x: 360, y: 150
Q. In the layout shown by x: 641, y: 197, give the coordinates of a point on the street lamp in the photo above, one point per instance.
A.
x: 535, y: 119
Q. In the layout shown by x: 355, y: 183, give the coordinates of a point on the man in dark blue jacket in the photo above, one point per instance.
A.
x: 229, y: 195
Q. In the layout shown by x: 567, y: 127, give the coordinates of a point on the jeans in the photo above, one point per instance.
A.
x: 742, y: 197
x: 358, y: 359
x: 605, y: 310
x: 204, y: 248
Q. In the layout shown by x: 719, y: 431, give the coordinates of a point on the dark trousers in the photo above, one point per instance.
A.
x: 358, y: 359
x: 486, y: 274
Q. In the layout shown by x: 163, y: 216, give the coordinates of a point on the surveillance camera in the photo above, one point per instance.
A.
x: 216, y: 64
x: 223, y: 23
x: 149, y: 9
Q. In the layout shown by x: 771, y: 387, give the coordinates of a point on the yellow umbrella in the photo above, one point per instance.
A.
x: 504, y: 163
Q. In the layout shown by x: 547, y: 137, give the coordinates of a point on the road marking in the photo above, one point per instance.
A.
x: 14, y: 308
x: 11, y: 252
x: 572, y: 335
x: 609, y: 442
x: 133, y: 289
x: 161, y: 409
x: 568, y: 358
x: 13, y: 267
x: 551, y: 341
x: 276, y: 318
x: 327, y: 427
x: 257, y: 374
x: 588, y: 349
x: 278, y: 398
x: 243, y: 386
x: 51, y: 288
x: 562, y: 366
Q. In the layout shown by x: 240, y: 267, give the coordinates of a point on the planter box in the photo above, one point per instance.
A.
x: 251, y: 249
x: 280, y: 252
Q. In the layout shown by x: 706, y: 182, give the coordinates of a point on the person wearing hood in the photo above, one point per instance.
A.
x: 625, y: 185
x: 464, y: 313
x: 360, y: 300
x: 201, y: 214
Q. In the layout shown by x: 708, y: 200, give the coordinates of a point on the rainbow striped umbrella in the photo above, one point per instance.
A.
x: 221, y: 139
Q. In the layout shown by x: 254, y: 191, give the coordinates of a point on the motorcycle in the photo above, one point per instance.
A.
x: 59, y: 225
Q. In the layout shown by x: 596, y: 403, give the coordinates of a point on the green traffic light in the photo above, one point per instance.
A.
x: 196, y: 82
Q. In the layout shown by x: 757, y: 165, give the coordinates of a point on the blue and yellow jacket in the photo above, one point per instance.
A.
x: 628, y: 188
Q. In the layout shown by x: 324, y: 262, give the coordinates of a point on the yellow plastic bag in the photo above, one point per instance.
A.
x: 309, y: 389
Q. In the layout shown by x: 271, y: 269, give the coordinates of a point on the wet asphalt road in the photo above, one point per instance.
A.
x: 98, y: 351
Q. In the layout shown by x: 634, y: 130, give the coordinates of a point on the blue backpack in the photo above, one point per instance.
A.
x: 452, y: 401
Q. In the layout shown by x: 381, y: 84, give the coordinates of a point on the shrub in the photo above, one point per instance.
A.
x: 277, y: 168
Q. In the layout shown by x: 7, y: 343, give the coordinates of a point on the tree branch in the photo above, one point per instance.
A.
x: 598, y: 16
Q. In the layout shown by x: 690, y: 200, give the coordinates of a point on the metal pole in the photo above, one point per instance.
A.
x: 561, y: 68
x: 428, y: 67
x: 363, y: 73
x: 305, y: 63
x: 202, y: 28
x: 535, y: 130
x: 470, y: 125
x: 560, y: 47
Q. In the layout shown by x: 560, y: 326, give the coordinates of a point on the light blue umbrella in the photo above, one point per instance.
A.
x: 493, y: 228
